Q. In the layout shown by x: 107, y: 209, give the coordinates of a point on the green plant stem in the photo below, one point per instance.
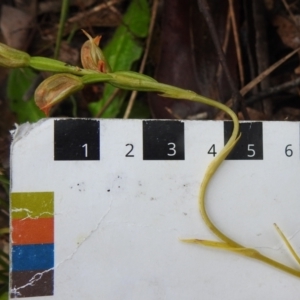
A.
x: 135, y: 81
x: 139, y: 82
x: 52, y: 65
x: 62, y: 21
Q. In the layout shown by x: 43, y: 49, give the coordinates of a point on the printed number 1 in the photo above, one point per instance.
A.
x: 85, y: 146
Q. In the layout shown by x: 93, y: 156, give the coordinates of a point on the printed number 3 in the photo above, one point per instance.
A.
x: 172, y: 148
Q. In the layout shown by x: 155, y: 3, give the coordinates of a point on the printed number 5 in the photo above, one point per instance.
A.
x: 251, y: 150
x: 172, y: 148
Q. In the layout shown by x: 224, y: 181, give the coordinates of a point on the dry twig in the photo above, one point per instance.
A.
x: 107, y: 103
x: 225, y: 41
x: 204, y: 8
x: 145, y: 56
x: 93, y: 10
x: 259, y: 78
x: 237, y: 42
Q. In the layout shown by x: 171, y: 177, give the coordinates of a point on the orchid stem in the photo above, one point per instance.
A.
x: 71, y: 79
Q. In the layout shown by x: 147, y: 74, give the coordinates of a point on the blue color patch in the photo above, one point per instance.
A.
x: 32, y: 257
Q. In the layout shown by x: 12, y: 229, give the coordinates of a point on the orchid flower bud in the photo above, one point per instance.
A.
x: 91, y: 55
x: 12, y: 58
x: 55, y: 89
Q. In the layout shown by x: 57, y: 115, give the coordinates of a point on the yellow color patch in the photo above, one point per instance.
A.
x: 32, y: 205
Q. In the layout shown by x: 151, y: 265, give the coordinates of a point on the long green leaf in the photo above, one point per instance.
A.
x: 4, y: 182
x: 4, y: 296
x: 4, y: 204
x: 123, y: 50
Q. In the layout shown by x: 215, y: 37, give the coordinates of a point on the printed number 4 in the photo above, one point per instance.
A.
x: 212, y: 150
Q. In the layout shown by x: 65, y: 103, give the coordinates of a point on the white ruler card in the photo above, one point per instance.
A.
x: 98, y: 208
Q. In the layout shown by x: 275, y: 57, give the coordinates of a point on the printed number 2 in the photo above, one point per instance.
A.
x: 172, y: 148
x: 128, y: 153
x: 85, y: 146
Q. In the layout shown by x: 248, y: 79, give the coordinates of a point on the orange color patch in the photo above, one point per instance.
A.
x: 32, y: 231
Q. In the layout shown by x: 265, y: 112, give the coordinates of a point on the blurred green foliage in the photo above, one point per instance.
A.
x: 123, y: 50
x: 19, y: 81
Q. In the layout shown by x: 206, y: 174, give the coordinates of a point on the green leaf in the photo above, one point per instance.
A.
x: 4, y: 180
x: 4, y: 296
x: 123, y: 50
x: 140, y: 110
x: 4, y: 277
x: 19, y: 81
x: 4, y: 255
x: 4, y: 204
x: 5, y: 183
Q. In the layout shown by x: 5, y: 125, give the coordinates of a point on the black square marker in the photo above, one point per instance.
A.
x: 76, y: 139
x: 163, y: 140
x: 250, y: 145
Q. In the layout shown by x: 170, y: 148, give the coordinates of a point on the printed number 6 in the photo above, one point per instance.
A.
x: 288, y: 151
x: 172, y: 148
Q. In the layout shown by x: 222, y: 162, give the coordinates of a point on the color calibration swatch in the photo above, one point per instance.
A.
x: 32, y: 241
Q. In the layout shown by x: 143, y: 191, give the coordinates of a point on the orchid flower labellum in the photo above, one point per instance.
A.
x: 56, y: 88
